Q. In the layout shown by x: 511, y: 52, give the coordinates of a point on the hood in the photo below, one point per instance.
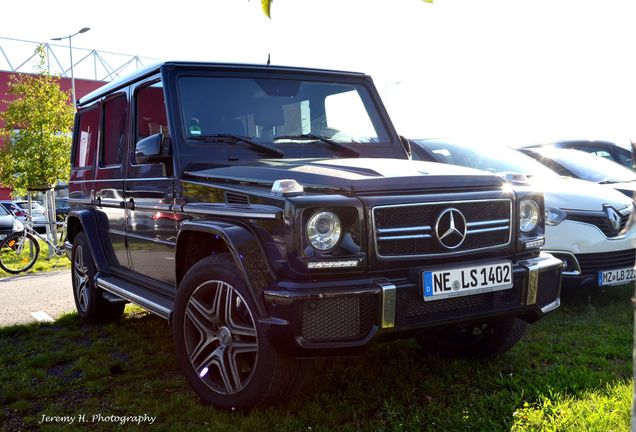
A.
x: 354, y: 175
x: 573, y: 194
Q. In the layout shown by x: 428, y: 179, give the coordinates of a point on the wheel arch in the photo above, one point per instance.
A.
x: 198, y: 239
x: 86, y: 220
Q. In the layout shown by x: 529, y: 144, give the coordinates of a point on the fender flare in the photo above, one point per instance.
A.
x: 88, y: 221
x: 246, y: 250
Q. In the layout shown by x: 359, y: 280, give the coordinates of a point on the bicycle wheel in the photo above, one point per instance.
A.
x: 18, y: 252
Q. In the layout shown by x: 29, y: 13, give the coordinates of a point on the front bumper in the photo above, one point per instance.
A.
x: 582, y: 270
x: 341, y: 317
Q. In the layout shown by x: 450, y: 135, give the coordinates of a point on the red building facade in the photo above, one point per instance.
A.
x: 82, y: 87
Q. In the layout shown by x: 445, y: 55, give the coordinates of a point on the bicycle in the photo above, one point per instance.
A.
x: 20, y: 250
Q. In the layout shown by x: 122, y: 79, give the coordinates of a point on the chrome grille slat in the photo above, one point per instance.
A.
x: 408, y: 230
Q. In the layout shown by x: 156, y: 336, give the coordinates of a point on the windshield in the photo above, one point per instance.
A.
x: 589, y: 167
x: 294, y: 118
x: 496, y: 159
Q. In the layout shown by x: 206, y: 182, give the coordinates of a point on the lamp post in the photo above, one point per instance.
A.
x: 70, y: 47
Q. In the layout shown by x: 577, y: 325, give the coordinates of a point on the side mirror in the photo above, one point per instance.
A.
x: 406, y: 143
x: 149, y: 150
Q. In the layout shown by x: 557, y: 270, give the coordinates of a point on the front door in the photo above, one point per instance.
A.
x: 148, y: 193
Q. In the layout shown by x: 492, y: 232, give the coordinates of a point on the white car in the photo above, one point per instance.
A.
x: 585, y: 222
x: 38, y: 215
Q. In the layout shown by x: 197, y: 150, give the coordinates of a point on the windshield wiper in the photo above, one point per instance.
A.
x: 236, y: 138
x: 319, y: 138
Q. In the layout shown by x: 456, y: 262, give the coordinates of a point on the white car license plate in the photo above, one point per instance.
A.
x: 616, y: 277
x: 468, y: 280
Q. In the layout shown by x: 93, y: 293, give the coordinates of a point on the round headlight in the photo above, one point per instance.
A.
x: 528, y: 215
x: 323, y: 230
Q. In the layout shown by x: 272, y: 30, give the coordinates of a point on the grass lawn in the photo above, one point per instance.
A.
x: 572, y: 372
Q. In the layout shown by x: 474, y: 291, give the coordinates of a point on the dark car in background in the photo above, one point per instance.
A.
x: 604, y: 149
x: 581, y: 165
x: 62, y: 208
x: 8, y: 223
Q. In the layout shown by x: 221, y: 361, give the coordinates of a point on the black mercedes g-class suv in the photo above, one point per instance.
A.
x: 272, y: 215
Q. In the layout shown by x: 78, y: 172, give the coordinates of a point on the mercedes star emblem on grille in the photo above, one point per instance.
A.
x: 613, y: 217
x: 450, y: 228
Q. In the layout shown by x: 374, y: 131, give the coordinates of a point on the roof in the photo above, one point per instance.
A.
x: 156, y: 67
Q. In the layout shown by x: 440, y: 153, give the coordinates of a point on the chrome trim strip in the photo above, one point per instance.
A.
x: 153, y: 207
x: 485, y: 230
x: 552, y: 306
x: 80, y: 200
x: 488, y: 222
x: 120, y: 180
x: 109, y: 202
x: 388, y: 305
x: 405, y: 237
x: 442, y: 254
x: 141, y: 301
x: 150, y: 239
x: 252, y: 212
x: 404, y: 229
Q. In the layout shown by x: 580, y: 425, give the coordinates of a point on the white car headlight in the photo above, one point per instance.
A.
x: 528, y: 215
x: 554, y: 215
x: 17, y: 225
x: 323, y: 230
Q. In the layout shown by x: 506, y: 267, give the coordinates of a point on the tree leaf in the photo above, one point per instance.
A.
x: 267, y: 5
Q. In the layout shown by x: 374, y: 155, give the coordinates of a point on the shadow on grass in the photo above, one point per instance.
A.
x: 128, y: 368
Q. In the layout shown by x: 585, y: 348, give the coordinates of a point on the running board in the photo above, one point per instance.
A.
x: 143, y: 297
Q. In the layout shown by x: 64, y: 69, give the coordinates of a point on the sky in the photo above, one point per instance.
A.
x: 492, y: 71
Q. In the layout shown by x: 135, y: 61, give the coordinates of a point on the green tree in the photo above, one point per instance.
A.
x: 36, y: 133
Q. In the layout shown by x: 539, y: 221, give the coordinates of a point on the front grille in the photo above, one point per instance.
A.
x: 593, y: 263
x: 600, y: 221
x: 339, y: 318
x: 408, y: 230
x: 411, y: 309
x: 549, y: 286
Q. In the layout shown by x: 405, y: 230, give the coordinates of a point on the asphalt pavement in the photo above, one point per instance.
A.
x: 35, y: 297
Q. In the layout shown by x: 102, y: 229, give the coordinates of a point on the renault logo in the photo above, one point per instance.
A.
x: 450, y: 228
x: 613, y: 216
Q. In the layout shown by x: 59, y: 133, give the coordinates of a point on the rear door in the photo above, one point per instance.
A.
x: 82, y: 179
x: 109, y: 177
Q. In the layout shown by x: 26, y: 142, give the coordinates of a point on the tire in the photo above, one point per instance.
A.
x: 483, y: 340
x: 18, y: 252
x: 220, y: 345
x: 89, y: 301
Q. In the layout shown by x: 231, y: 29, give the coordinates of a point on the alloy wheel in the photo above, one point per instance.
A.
x: 220, y: 337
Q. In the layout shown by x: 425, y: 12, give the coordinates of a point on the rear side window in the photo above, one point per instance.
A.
x: 114, y: 130
x: 151, y: 111
x: 86, y: 139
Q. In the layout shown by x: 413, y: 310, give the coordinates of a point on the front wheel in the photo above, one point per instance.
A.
x: 483, y: 340
x: 18, y: 252
x: 221, y: 346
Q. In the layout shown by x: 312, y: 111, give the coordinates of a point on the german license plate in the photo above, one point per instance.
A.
x: 467, y: 280
x: 616, y: 277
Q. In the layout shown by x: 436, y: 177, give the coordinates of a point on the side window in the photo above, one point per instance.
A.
x: 86, y: 138
x: 151, y: 112
x: 114, y: 130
